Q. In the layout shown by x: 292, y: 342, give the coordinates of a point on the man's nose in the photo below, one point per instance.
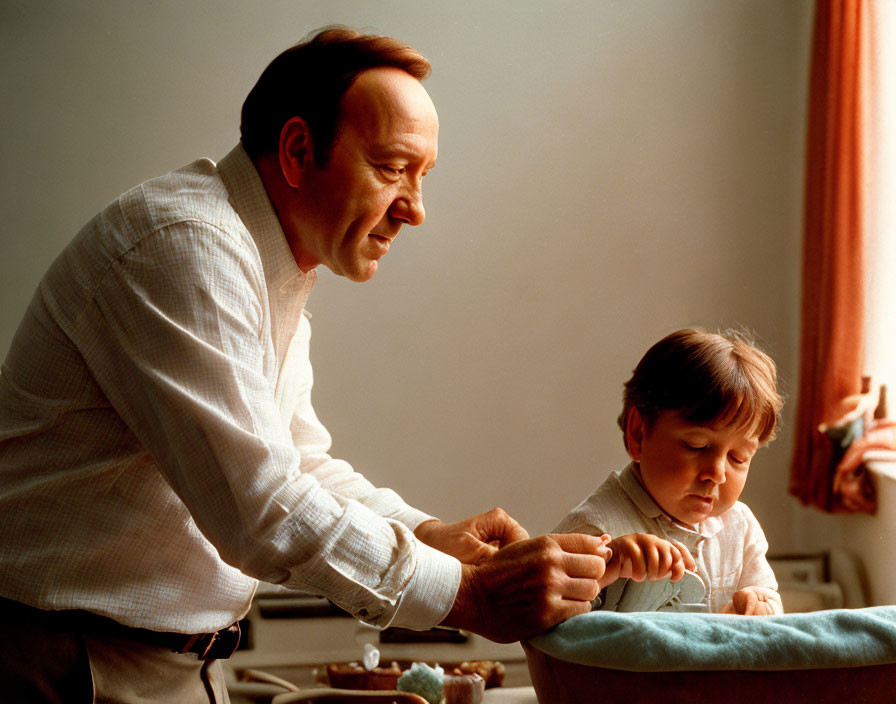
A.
x: 408, y: 207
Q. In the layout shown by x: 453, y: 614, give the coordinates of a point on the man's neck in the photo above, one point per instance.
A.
x: 282, y: 195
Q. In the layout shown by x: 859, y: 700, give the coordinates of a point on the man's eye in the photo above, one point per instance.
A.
x: 394, y: 170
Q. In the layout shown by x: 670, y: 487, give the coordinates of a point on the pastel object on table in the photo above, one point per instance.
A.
x: 423, y: 680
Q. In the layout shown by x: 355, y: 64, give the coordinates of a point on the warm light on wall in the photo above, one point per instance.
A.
x: 880, y: 202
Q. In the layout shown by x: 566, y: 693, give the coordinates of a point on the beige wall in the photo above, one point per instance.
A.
x: 609, y: 171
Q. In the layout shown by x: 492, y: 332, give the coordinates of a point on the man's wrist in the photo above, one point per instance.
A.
x: 463, y: 613
x: 422, y: 531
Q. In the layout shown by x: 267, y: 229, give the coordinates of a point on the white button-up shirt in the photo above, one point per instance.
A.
x: 158, y: 448
x: 730, y: 549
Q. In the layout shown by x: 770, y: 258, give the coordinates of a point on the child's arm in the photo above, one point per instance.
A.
x: 755, y: 601
x: 641, y: 556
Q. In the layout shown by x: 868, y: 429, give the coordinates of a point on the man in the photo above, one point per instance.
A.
x: 159, y: 453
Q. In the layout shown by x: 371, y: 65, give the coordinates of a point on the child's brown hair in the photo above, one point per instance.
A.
x: 706, y: 377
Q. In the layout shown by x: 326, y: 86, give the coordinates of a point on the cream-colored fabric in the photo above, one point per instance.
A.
x: 729, y: 549
x: 125, y: 672
x: 158, y: 446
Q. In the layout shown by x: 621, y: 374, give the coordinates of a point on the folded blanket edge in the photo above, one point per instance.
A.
x: 665, y: 642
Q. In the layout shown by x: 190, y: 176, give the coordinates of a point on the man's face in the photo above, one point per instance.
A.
x: 348, y: 212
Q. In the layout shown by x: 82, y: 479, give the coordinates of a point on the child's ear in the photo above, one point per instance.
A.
x: 634, y: 433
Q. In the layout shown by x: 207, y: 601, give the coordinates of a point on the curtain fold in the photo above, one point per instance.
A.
x: 832, y: 326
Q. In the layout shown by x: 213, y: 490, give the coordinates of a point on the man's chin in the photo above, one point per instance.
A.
x: 363, y: 272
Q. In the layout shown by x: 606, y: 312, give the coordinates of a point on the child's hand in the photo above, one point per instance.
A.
x: 754, y: 601
x: 640, y: 556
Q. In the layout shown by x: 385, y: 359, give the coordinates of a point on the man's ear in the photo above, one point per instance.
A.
x: 634, y: 433
x: 296, y: 150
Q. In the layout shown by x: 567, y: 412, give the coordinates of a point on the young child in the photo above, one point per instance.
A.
x: 696, y: 409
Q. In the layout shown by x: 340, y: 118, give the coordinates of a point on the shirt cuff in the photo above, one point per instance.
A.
x: 431, y: 592
x: 412, y: 517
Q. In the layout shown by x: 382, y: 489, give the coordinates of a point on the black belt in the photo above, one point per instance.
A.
x: 219, y: 645
x: 207, y: 646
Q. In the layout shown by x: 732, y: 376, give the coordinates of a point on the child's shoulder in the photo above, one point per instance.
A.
x: 741, y: 510
x: 607, y: 510
x: 738, y: 518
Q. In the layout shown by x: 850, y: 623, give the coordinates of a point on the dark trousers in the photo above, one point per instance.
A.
x: 46, y: 659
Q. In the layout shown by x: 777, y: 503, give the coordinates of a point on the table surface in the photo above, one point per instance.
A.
x: 510, y: 695
x: 298, y: 649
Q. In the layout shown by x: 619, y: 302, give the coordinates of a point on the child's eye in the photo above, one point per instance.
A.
x: 694, y: 446
x: 738, y: 460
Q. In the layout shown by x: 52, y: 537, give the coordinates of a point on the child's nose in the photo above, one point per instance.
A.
x: 714, y: 470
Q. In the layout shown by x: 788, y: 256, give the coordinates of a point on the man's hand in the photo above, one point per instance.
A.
x: 529, y: 586
x: 754, y: 601
x: 474, y: 539
x: 641, y: 556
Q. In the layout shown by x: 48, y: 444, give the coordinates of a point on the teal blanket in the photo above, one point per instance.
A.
x: 665, y: 641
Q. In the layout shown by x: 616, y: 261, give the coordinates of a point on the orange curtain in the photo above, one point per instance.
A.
x: 832, y: 328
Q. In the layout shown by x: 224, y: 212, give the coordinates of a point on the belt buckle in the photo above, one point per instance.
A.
x: 219, y: 645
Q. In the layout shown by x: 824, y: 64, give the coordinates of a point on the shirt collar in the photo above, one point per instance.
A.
x: 638, y: 494
x: 632, y: 486
x: 251, y: 202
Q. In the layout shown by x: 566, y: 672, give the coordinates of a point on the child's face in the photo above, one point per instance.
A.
x: 692, y: 471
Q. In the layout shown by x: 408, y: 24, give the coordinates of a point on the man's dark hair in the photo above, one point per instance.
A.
x: 309, y: 80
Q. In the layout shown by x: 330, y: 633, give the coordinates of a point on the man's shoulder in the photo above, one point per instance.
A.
x: 192, y: 193
x: 180, y: 218
x: 189, y: 208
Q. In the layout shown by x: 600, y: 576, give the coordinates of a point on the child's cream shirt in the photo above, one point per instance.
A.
x: 729, y: 549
